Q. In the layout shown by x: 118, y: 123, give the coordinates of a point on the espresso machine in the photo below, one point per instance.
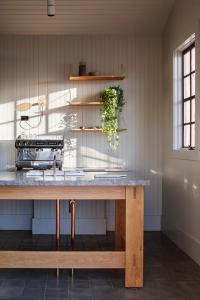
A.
x: 39, y: 152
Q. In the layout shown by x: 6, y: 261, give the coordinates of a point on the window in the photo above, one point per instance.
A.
x: 184, y: 100
x: 188, y: 97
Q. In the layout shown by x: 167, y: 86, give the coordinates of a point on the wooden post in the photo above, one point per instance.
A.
x: 134, y: 236
x: 120, y: 224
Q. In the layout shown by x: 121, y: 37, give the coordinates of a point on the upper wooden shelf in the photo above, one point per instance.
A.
x: 97, y: 77
x: 88, y: 103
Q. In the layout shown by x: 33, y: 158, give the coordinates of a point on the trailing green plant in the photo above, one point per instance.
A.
x: 113, y: 101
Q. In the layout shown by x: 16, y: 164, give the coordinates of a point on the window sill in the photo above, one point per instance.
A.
x: 185, y: 154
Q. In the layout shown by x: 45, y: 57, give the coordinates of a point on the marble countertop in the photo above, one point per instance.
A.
x: 19, y: 178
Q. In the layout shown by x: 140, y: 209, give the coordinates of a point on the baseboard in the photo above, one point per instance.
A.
x: 15, y: 222
x: 110, y: 223
x: 152, y: 223
x: 186, y: 242
x: 83, y: 226
x: 89, y: 226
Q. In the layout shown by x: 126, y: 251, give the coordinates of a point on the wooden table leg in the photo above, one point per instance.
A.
x: 120, y: 224
x: 57, y: 224
x: 134, y: 236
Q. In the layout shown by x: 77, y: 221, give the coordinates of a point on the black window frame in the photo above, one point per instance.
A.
x: 188, y: 99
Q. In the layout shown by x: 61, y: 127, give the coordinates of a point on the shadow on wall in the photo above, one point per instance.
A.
x: 81, y: 149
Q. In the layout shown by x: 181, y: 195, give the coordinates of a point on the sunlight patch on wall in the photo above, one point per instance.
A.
x: 92, y: 157
x: 7, y: 131
x: 155, y: 172
x: 185, y: 181
x: 61, y: 98
x: 34, y: 108
x: 69, y: 120
x: 54, y: 122
x: 70, y: 153
x: 31, y: 127
x: 41, y: 99
x: 195, y: 192
x: 7, y: 113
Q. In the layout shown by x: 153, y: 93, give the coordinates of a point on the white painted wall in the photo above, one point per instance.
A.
x: 32, y: 66
x: 181, y: 180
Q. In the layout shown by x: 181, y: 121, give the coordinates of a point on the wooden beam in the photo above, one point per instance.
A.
x: 62, y: 192
x: 62, y: 259
x: 120, y: 224
x: 134, y: 236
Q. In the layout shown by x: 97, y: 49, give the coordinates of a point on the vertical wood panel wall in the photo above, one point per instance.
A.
x: 39, y: 66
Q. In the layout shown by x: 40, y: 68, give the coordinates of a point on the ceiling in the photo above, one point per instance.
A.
x: 84, y: 16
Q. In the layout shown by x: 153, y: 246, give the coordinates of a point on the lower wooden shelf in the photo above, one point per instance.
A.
x: 94, y: 129
x: 63, y: 259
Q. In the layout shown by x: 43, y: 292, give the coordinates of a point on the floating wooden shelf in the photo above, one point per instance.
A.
x: 93, y: 129
x: 97, y: 77
x: 89, y: 103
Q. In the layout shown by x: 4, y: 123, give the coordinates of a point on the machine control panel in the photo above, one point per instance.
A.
x: 39, y: 142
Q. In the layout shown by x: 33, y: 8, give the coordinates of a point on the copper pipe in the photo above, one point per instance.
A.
x: 72, y: 211
x: 57, y: 224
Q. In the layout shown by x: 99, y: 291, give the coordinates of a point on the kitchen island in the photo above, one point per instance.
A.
x: 128, y: 193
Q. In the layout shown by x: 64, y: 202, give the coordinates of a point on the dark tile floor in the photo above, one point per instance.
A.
x: 169, y: 273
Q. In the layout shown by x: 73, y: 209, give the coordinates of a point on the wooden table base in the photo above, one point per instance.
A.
x: 129, y: 231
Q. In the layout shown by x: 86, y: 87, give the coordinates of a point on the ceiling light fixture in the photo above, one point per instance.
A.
x: 51, y: 8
